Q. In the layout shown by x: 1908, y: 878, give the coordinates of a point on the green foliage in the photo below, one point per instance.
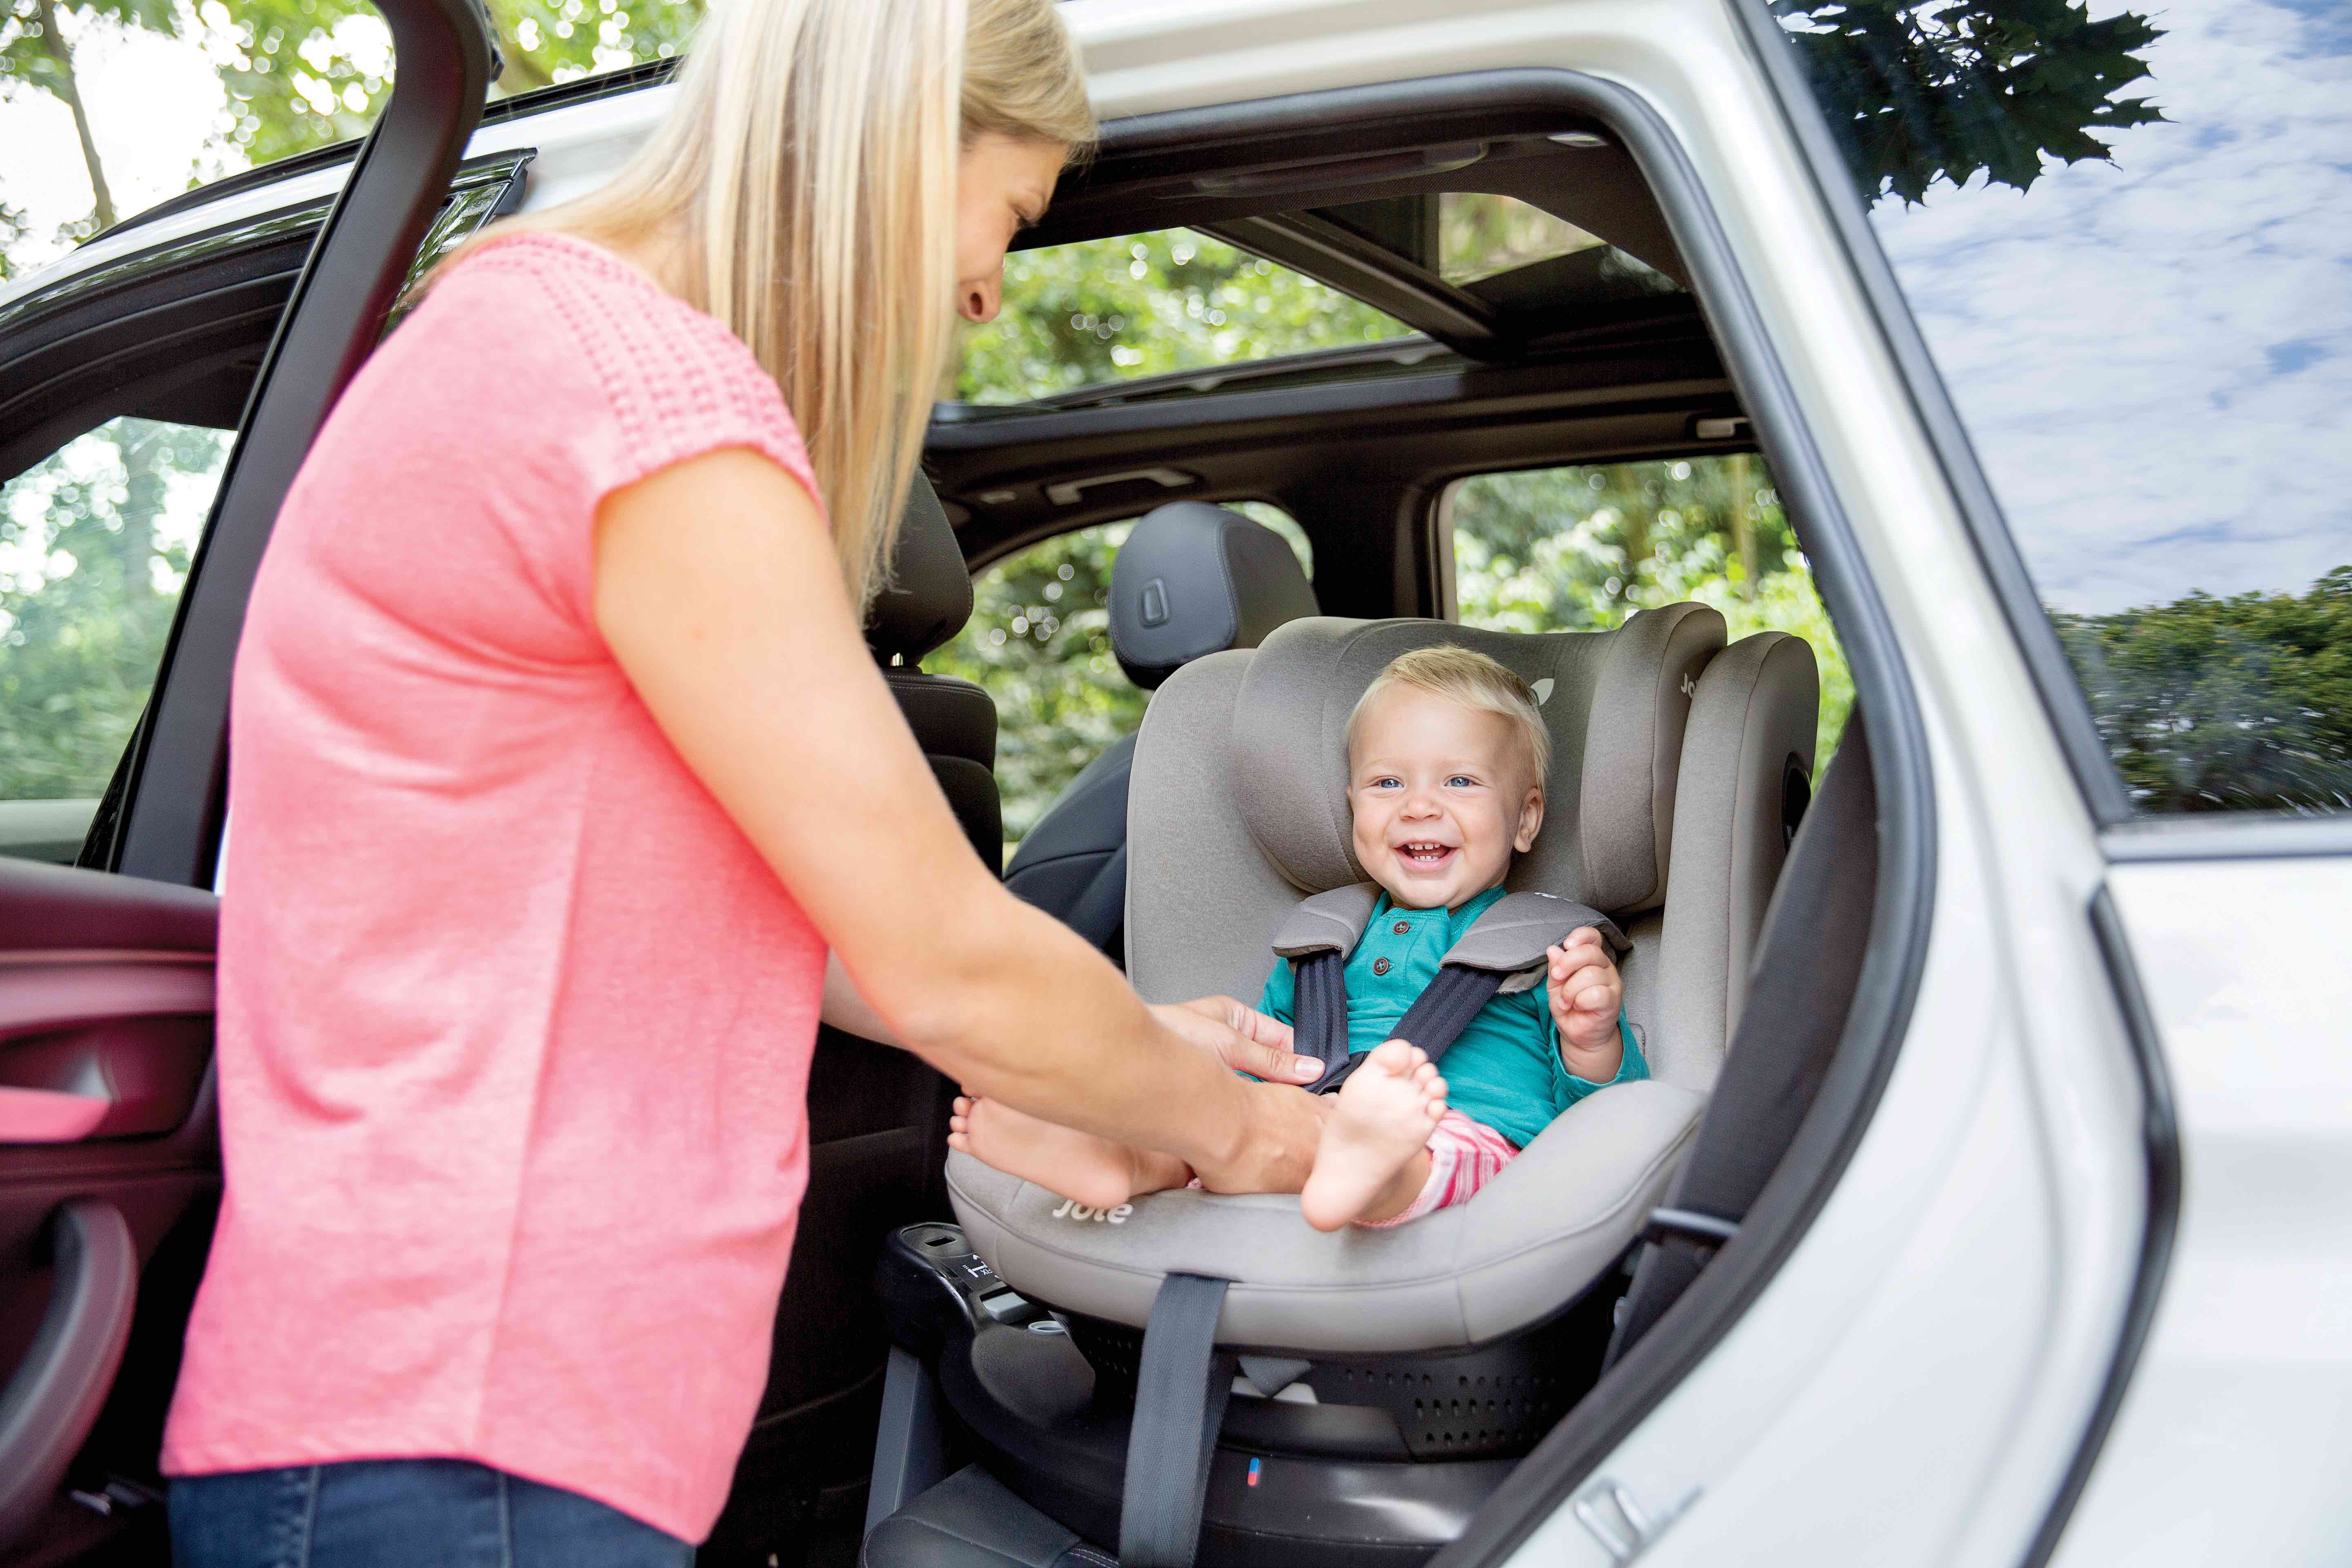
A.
x: 1039, y: 641
x: 2231, y: 704
x: 94, y: 540
x: 1146, y: 304
x: 303, y: 73
x: 1946, y: 88
x: 1580, y: 549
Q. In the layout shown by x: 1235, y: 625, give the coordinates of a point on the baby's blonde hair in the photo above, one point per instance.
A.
x: 1469, y: 677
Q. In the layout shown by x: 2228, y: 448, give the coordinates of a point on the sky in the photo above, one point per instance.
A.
x: 2154, y: 357
x: 153, y: 103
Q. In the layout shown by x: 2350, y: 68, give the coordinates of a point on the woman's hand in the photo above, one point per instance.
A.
x: 1242, y: 1037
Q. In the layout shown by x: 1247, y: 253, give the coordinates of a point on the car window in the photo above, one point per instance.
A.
x: 1580, y: 548
x: 1149, y: 304
x: 1039, y: 642
x: 94, y: 544
x: 2127, y: 237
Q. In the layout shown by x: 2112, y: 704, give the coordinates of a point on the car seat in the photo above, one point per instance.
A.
x: 1382, y: 1383
x: 925, y: 603
x: 1192, y: 580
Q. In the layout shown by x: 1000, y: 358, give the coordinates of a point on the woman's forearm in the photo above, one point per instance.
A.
x: 717, y: 590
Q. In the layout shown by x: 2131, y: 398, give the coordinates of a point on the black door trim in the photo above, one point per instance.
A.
x: 178, y: 781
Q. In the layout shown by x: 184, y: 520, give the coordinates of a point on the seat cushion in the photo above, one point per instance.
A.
x: 1554, y: 1219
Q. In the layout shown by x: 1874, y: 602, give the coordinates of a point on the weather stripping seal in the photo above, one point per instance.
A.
x: 2160, y: 1140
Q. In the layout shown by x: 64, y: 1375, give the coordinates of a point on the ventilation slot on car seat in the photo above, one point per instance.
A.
x: 1495, y: 1403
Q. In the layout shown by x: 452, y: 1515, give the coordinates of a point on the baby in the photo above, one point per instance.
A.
x: 1447, y: 757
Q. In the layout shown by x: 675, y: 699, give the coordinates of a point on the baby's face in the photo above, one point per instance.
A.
x: 1442, y: 798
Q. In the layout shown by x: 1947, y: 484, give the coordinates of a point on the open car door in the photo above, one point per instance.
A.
x: 109, y: 1168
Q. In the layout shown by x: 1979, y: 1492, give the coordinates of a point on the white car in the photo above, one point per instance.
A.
x: 1988, y: 1205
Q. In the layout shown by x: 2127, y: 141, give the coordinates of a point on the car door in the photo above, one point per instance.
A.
x: 2138, y: 360
x: 151, y: 411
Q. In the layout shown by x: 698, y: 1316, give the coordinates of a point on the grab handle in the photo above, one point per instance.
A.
x: 53, y: 1398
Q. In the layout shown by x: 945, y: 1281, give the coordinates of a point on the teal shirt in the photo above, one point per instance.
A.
x: 1506, y: 1070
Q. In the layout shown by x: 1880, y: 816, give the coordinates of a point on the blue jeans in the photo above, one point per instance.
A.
x: 395, y: 1513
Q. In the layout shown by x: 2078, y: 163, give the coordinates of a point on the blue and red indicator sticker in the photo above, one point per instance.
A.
x: 1256, y: 1466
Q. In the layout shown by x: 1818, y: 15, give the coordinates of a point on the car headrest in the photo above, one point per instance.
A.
x: 1194, y: 579
x: 929, y: 597
x: 1617, y: 702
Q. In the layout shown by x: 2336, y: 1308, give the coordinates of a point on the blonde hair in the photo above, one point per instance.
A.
x: 808, y: 178
x: 1470, y: 679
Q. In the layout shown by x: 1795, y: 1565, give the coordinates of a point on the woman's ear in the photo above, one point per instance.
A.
x: 1530, y: 820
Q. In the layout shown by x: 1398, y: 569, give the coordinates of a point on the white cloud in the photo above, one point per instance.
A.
x: 2154, y: 358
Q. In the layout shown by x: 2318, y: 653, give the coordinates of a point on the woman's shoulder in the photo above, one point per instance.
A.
x: 673, y: 376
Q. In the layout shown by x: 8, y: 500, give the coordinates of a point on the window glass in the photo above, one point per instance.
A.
x: 1039, y: 641
x: 1580, y: 549
x: 107, y: 109
x: 2126, y: 234
x: 1146, y: 304
x: 94, y: 544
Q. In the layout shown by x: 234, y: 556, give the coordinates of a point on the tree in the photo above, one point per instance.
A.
x: 35, y: 51
x: 1931, y: 89
x: 304, y: 73
x: 2233, y: 704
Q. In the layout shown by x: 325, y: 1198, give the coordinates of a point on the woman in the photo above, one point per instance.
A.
x: 560, y: 764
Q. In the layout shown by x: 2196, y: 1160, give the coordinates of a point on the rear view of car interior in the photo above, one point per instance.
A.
x: 1532, y: 447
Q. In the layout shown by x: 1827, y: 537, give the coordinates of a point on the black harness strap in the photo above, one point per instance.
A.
x: 1433, y: 1022
x: 1182, y: 1385
x: 1320, y: 1005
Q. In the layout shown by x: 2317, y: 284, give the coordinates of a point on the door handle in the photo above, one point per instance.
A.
x: 53, y: 1398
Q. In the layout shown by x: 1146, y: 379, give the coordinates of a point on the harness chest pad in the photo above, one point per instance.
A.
x: 1503, y: 952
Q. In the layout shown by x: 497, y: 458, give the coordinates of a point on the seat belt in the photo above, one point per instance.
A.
x: 1182, y: 1385
x: 1808, y: 964
x: 1503, y: 950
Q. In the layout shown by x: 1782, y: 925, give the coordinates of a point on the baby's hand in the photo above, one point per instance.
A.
x: 1586, y: 994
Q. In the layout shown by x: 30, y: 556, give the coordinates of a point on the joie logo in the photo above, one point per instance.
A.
x: 1073, y: 1209
x: 1690, y: 685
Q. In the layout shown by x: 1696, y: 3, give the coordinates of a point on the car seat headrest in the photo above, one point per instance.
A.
x: 1194, y: 579
x: 929, y: 597
x: 1616, y: 702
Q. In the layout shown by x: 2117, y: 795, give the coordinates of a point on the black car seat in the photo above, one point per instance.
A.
x: 1387, y: 1379
x: 927, y: 602
x: 1192, y: 580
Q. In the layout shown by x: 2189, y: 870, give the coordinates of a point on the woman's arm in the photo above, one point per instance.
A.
x: 716, y: 588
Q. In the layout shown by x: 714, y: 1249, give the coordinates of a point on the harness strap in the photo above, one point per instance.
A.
x: 1182, y: 1385
x: 1434, y: 1021
x: 1319, y: 1008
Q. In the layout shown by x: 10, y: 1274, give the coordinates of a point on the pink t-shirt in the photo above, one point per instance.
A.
x: 514, y: 1025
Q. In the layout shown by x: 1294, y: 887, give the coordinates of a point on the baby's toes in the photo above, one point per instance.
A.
x: 1433, y: 1092
x: 1395, y: 1057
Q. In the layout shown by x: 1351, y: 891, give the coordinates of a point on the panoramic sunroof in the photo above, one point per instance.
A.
x: 1322, y: 291
x: 1463, y: 236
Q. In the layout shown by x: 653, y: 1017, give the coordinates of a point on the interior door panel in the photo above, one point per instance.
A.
x: 106, y: 1146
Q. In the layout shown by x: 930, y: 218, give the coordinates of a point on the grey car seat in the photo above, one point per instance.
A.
x: 926, y: 603
x: 1192, y: 580
x: 1388, y: 1378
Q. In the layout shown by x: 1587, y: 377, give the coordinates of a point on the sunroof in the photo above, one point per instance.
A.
x: 1149, y: 304
x: 1463, y: 236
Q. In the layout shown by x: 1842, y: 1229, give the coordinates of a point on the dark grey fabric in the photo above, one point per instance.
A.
x: 1195, y: 579
x: 1808, y: 963
x: 929, y: 597
x: 1072, y: 863
x: 968, y: 1521
x: 1182, y: 1385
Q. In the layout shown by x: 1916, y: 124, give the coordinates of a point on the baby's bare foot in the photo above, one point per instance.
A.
x: 1386, y: 1112
x: 1099, y: 1172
